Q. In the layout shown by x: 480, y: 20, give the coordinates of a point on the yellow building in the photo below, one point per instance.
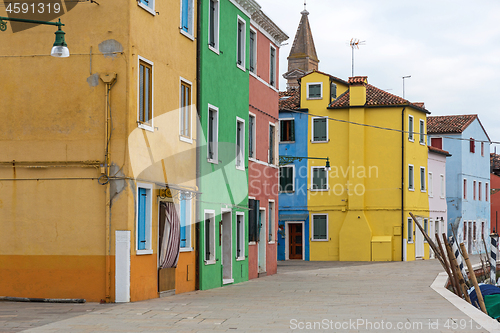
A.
x: 359, y: 209
x: 89, y: 144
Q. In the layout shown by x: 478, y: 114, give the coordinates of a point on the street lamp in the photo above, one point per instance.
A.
x: 284, y: 160
x: 59, y: 49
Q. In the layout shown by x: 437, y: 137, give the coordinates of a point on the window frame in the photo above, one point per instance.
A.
x: 216, y: 25
x: 332, y: 85
x: 211, y: 236
x: 479, y: 188
x: 147, y: 7
x: 215, y: 159
x: 443, y: 186
x: 312, y: 179
x: 474, y: 188
x: 190, y: 17
x: 312, y: 229
x: 148, y: 219
x: 252, y: 137
x: 241, y: 43
x: 241, y: 153
x: 293, y: 178
x: 430, y: 184
x: 271, y: 221
x: 312, y: 130
x: 273, y: 82
x: 292, y: 131
x: 423, y: 187
x: 411, y: 136
x: 422, y: 131
x: 412, y: 178
x: 188, y: 217
x: 472, y: 146
x: 320, y: 90
x: 252, y: 51
x: 409, y: 231
x: 182, y: 137
x: 240, y: 237
x: 149, y: 126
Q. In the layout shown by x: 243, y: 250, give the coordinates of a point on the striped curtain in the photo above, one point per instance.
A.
x: 169, y: 251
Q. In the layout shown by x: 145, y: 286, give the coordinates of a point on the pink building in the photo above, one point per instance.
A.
x: 437, y: 191
x: 263, y: 166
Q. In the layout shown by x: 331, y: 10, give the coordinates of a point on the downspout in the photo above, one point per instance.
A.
x: 402, y: 182
x: 198, y: 151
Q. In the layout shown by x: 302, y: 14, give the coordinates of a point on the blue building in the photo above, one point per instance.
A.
x: 293, y: 232
x: 467, y: 176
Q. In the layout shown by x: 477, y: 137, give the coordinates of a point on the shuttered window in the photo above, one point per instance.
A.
x: 253, y: 220
x: 410, y: 128
x: 437, y: 142
x: 209, y: 236
x: 333, y: 91
x: 319, y: 130
x: 411, y: 184
x: 213, y: 24
x: 240, y: 236
x: 272, y: 134
x: 141, y: 223
x: 319, y: 179
x: 314, y: 91
x: 320, y: 224
x: 287, y: 130
x: 253, y: 51
x: 187, y: 16
x: 185, y: 110
x: 422, y: 130
x: 272, y: 65
x: 286, y: 178
x: 472, y: 145
x: 251, y: 136
x: 422, y: 179
x: 241, y: 43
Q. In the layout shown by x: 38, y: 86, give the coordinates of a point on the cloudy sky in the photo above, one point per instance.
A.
x: 451, y: 49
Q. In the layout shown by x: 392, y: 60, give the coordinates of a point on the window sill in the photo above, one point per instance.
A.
x: 431, y: 196
x: 423, y: 191
x: 252, y: 159
x: 213, y: 49
x: 314, y: 98
x: 145, y: 126
x: 285, y: 192
x: 319, y: 240
x: 143, y: 252
x: 319, y: 190
x: 271, y: 242
x: 146, y: 8
x: 241, y: 168
x: 442, y: 197
x: 411, y: 140
x: 411, y: 189
x: 209, y: 262
x: 212, y: 161
x: 187, y: 34
x: 185, y: 139
x: 241, y: 67
x: 287, y: 141
x: 252, y: 243
x: 422, y: 143
x: 320, y: 141
x: 186, y: 249
x: 240, y: 259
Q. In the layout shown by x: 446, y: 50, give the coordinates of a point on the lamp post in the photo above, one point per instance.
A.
x: 59, y: 49
x: 285, y: 160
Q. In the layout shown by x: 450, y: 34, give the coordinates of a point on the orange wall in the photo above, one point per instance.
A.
x: 182, y: 285
x: 143, y: 277
x: 253, y: 262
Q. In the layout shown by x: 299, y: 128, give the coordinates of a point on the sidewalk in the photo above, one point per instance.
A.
x: 340, y: 297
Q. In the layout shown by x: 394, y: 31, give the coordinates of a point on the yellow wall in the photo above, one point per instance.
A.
x: 375, y: 157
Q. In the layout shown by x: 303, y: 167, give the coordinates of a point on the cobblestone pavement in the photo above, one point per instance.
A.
x: 349, y: 297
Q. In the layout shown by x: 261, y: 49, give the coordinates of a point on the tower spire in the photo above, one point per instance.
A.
x: 305, y: 12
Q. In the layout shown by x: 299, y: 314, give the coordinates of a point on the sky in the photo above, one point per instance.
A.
x: 451, y: 49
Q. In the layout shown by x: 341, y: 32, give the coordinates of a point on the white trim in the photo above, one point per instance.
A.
x: 262, y: 240
x: 242, y: 147
x: 312, y: 228
x: 287, y: 239
x: 237, y: 5
x: 150, y: 10
x: 216, y: 136
x: 148, y: 219
x: 263, y: 81
x: 186, y: 249
x: 254, y: 72
x: 412, y: 188
x: 139, y: 124
x: 191, y: 28
x: 312, y: 130
x: 320, y: 89
x: 265, y: 33
x: 271, y: 47
x: 214, y: 48
x: 211, y: 214
x: 411, y: 130
x: 293, y: 177
x: 182, y: 137
x: 230, y: 212
x: 254, y: 136
x: 243, y: 43
x: 279, y: 122
x: 425, y: 187
x: 242, y: 237
x: 312, y: 179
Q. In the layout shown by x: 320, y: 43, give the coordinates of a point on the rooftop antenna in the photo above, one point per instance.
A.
x: 355, y: 43
x: 305, y: 8
x: 405, y: 77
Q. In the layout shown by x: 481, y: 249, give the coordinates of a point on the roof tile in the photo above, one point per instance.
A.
x: 289, y: 99
x: 449, y: 124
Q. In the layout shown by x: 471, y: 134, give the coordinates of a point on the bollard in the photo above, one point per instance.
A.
x: 458, y: 256
x: 493, y: 258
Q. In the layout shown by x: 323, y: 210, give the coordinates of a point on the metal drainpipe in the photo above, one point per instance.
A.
x: 198, y: 133
x: 402, y: 182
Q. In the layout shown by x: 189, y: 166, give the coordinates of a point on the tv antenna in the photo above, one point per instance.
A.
x: 405, y: 77
x: 355, y: 43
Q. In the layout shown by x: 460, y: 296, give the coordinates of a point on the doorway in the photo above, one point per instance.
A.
x: 295, y: 241
x: 262, y: 240
x: 226, y: 247
x: 419, y: 243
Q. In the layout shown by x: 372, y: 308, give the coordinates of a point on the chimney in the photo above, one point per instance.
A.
x: 357, y: 90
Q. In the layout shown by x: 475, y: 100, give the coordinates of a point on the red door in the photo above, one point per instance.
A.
x: 295, y: 237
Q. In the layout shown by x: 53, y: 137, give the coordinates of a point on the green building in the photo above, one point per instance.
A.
x: 222, y: 155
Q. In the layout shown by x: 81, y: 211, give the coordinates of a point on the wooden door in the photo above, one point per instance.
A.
x: 295, y: 241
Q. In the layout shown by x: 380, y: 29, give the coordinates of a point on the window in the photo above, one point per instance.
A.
x: 479, y: 190
x: 320, y: 227
x: 410, y: 128
x: 240, y: 144
x: 319, y: 130
x: 482, y: 148
x: 474, y: 231
x: 213, y: 26
x: 411, y: 185
x: 185, y: 217
x: 253, y: 220
x: 287, y: 178
x: 482, y: 230
x: 422, y: 179
x: 431, y: 192
x: 209, y: 237
x: 251, y: 136
x: 253, y: 51
x: 272, y: 135
x: 287, y: 130
x: 148, y: 5
x: 144, y: 217
x: 319, y: 178
x: 472, y: 146
x: 422, y: 130
x: 410, y: 230
x: 187, y: 14
x: 240, y: 236
x: 465, y: 189
x: 145, y: 92
x: 426, y: 229
x: 333, y: 91
x: 443, y: 188
x: 436, y: 226
x: 240, y: 37
x: 185, y: 109
x: 437, y: 142
x: 272, y: 67
x: 315, y: 90
x: 213, y: 134
x: 270, y: 221
x: 486, y: 192
x: 474, y: 190
x: 465, y: 231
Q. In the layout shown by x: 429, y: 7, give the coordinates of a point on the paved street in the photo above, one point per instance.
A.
x: 343, y: 297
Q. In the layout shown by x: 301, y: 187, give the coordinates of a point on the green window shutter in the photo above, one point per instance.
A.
x: 282, y: 130
x: 333, y: 91
x: 319, y: 179
x: 292, y: 130
x: 320, y: 129
x: 319, y: 227
x: 314, y: 91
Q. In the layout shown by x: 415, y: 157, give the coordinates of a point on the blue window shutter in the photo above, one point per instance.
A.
x: 141, y: 223
x: 185, y: 15
x: 183, y: 223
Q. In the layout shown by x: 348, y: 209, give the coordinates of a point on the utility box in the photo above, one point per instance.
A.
x: 382, y: 248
